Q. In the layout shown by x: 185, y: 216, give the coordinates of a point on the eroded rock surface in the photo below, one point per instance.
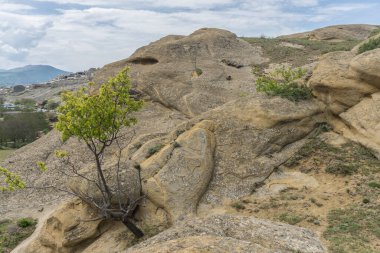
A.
x: 349, y: 84
x: 166, y: 70
x: 230, y: 233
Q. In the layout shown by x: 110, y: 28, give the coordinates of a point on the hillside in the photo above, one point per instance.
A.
x: 29, y: 74
x: 222, y: 167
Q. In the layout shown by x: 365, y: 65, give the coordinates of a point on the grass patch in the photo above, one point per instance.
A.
x: 374, y: 32
x: 351, y: 158
x: 370, y: 45
x: 273, y: 49
x: 342, y: 169
x: 291, y: 219
x: 350, y: 230
x: 238, y: 206
x: 374, y: 185
x: 26, y: 222
x: 11, y: 234
x: 155, y: 149
x: 4, y: 153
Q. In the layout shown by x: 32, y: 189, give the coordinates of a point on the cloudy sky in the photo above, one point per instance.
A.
x: 76, y: 35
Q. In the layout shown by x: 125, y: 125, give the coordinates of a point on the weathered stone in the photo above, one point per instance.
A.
x: 66, y: 229
x: 334, y: 84
x: 176, y: 177
x: 366, y: 67
x: 242, y: 232
x: 165, y: 70
x: 362, y: 123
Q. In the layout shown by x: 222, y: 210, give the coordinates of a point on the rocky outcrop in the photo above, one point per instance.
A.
x: 348, y: 84
x: 177, y: 176
x: 336, y: 83
x: 337, y: 33
x: 194, y: 73
x: 229, y: 233
x: 221, y: 154
x: 65, y: 229
x: 362, y: 123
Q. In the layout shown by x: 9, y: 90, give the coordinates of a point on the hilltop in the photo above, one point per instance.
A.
x: 29, y: 74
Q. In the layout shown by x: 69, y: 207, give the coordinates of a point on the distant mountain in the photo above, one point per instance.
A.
x: 29, y: 74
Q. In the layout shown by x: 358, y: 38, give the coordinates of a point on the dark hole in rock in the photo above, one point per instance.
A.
x: 144, y: 60
x: 232, y: 63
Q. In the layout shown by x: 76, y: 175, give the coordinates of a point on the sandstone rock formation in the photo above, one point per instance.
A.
x: 204, y: 138
x: 348, y: 84
x: 165, y: 70
x: 229, y: 233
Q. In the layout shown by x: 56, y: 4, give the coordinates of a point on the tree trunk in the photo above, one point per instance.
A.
x: 132, y: 227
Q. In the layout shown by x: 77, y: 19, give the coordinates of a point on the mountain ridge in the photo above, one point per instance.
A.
x: 29, y: 74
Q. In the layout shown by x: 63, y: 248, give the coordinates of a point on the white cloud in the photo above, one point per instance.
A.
x: 106, y: 31
x: 304, y: 3
x: 11, y: 7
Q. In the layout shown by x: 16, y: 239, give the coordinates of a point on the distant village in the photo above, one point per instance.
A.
x: 45, y: 105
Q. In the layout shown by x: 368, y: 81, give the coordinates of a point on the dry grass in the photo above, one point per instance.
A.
x: 4, y: 153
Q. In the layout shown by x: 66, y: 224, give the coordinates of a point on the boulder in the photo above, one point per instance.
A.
x: 362, y: 123
x: 72, y: 224
x: 366, y: 67
x: 334, y: 83
x: 178, y: 175
x: 230, y: 233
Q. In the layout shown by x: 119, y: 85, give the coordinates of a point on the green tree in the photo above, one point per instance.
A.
x: 11, y: 181
x: 96, y: 119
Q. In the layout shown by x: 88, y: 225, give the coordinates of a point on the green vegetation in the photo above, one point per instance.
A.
x: 97, y: 119
x: 282, y: 82
x: 238, y: 206
x: 342, y: 169
x: 374, y: 184
x: 351, y: 158
x: 291, y: 219
x: 374, y: 32
x: 351, y: 229
x: 11, y: 234
x: 309, y: 50
x: 26, y: 222
x: 19, y: 129
x: 26, y: 103
x: 370, y: 45
x: 155, y: 149
x: 4, y: 153
x: 52, y: 105
x: 199, y: 71
x: 11, y: 181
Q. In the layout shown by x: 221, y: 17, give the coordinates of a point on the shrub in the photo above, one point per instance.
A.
x: 238, y: 206
x: 26, y: 222
x: 199, y: 71
x: 291, y: 219
x: 154, y: 149
x: 370, y: 45
x: 374, y: 185
x: 281, y: 82
x: 342, y: 169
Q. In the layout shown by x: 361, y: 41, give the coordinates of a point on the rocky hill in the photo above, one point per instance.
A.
x: 29, y: 74
x: 337, y: 33
x: 231, y: 166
